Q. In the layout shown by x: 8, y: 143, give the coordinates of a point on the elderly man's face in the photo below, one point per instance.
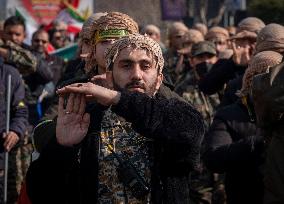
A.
x: 40, y: 42
x: 135, y: 70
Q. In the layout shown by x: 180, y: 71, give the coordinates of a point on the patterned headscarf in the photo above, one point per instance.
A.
x: 108, y: 25
x: 271, y: 37
x: 193, y: 36
x: 258, y: 64
x: 88, y: 27
x: 251, y: 24
x: 216, y: 33
x: 136, y: 41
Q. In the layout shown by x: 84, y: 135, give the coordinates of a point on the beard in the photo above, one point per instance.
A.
x: 149, y: 90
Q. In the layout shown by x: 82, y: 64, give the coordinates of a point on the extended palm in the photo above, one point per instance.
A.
x: 72, y: 122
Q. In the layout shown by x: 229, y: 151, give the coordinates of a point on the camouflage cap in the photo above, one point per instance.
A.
x: 136, y: 41
x: 204, y: 47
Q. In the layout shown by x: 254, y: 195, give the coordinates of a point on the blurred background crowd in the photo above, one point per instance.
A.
x: 212, y: 49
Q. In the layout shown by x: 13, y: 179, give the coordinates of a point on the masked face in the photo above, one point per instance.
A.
x: 208, y: 58
x: 135, y: 70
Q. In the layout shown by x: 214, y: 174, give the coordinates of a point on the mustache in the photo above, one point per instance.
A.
x: 136, y: 84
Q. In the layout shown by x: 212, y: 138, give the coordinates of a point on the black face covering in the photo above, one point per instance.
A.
x: 203, y: 68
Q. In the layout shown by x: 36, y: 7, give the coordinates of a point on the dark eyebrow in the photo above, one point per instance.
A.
x: 132, y: 61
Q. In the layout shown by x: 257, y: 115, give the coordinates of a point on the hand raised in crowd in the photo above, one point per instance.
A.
x: 242, y: 54
x: 10, y: 140
x: 72, y: 122
x: 92, y: 92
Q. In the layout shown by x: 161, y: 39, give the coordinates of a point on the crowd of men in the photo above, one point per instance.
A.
x: 196, y: 119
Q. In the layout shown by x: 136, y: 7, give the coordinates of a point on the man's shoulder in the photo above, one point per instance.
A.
x: 9, y: 69
x: 167, y: 93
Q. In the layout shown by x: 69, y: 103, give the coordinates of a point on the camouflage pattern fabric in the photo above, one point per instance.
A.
x: 22, y: 58
x: 118, y: 133
x: 171, y: 66
x: 188, y: 89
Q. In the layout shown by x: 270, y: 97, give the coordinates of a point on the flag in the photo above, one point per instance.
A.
x: 67, y: 53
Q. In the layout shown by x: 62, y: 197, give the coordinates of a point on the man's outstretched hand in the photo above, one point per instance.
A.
x: 92, y: 92
x: 72, y: 122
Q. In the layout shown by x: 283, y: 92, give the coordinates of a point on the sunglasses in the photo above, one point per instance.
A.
x: 39, y: 40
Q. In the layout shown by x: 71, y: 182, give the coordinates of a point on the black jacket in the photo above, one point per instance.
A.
x: 234, y: 147
x: 221, y: 73
x: 230, y: 96
x: 177, y: 129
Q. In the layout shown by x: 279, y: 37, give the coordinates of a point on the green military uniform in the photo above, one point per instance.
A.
x: 174, y: 66
x: 22, y: 58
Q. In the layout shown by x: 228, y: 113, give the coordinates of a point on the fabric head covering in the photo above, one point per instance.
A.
x: 111, y: 25
x: 114, y: 24
x: 87, y: 29
x: 271, y: 37
x: 201, y: 27
x: 193, y: 36
x: 245, y: 35
x: 136, y: 41
x: 251, y: 24
x: 177, y: 28
x: 258, y: 64
x: 151, y: 28
x: 217, y: 33
x: 202, y: 48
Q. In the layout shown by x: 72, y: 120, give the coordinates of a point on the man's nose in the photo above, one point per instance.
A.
x: 136, y: 72
x: 14, y: 38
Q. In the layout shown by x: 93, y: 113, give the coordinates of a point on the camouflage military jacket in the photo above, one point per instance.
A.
x: 187, y: 87
x: 22, y: 58
x: 128, y: 144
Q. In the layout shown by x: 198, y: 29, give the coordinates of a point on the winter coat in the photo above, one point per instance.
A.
x: 175, y: 127
x: 234, y: 147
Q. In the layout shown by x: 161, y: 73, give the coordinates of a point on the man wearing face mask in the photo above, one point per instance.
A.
x: 203, y: 56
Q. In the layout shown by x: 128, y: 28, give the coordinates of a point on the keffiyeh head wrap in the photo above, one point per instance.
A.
x: 136, y: 41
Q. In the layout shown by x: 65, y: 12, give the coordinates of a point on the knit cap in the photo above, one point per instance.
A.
x: 251, y: 24
x: 136, y: 41
x: 271, y: 37
x: 258, y: 64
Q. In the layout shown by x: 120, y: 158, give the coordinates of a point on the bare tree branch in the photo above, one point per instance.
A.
x: 216, y: 20
x: 203, y: 11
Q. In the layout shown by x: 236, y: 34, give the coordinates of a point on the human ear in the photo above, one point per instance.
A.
x: 160, y: 78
